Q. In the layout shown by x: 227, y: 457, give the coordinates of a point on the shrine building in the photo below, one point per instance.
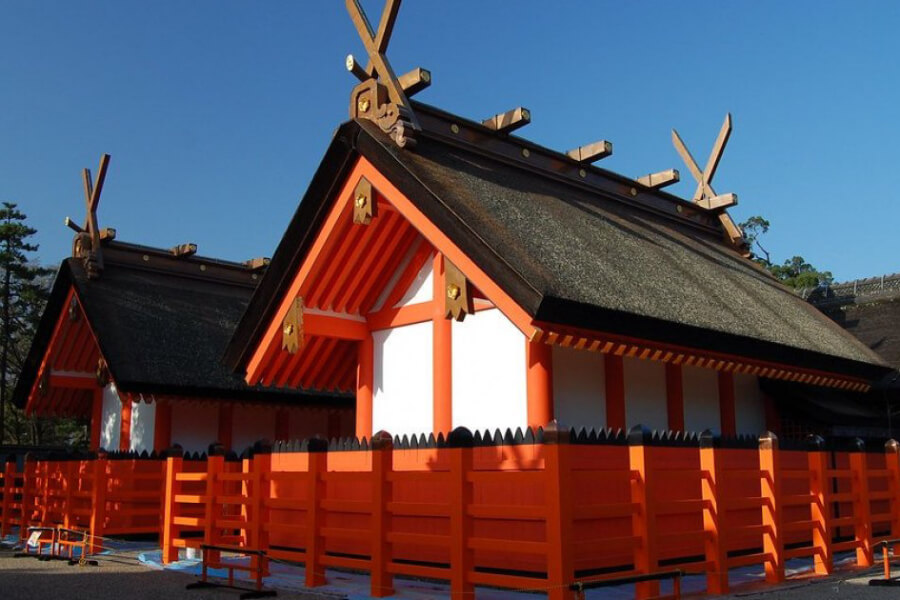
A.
x: 131, y: 340
x: 451, y: 274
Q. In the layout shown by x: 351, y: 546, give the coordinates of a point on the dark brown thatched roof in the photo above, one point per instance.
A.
x: 162, y: 324
x: 586, y: 254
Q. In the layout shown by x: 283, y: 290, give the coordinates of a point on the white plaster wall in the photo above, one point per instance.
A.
x: 111, y: 419
x: 645, y: 393
x: 748, y: 404
x: 701, y: 399
x: 579, y: 388
x: 489, y: 373
x: 143, y: 422
x: 194, y: 425
x: 250, y: 424
x: 422, y: 287
x: 402, y: 402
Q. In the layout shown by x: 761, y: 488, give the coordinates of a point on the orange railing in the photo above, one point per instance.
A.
x: 534, y: 511
x: 539, y: 512
x: 109, y: 494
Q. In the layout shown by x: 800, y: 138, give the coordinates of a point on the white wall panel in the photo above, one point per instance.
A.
x: 143, y: 423
x: 749, y: 409
x: 579, y: 392
x: 701, y: 400
x: 194, y: 426
x: 402, y: 398
x: 111, y: 420
x: 489, y: 390
x: 422, y: 287
x: 645, y: 393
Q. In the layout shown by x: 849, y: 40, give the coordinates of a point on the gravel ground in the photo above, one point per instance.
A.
x: 119, y: 578
x: 123, y: 576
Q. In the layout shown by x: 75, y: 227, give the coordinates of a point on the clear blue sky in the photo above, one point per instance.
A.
x: 217, y: 113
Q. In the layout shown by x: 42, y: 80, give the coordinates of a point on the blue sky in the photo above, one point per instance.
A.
x: 216, y: 114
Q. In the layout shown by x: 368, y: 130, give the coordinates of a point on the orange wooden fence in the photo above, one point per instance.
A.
x: 109, y: 494
x: 522, y: 511
x: 538, y: 512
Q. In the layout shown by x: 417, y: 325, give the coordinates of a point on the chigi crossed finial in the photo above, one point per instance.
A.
x: 705, y: 196
x: 382, y: 97
x: 86, y: 245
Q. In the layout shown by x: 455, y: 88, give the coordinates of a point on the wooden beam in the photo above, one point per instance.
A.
x: 591, y: 152
x: 315, y: 324
x: 125, y: 425
x: 508, y: 121
x: 415, y: 81
x: 162, y: 426
x: 81, y: 381
x: 660, y: 180
x: 387, y: 318
x: 720, y: 202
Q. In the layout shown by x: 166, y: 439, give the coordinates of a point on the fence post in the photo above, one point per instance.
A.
x: 643, y: 520
x: 174, y: 465
x: 859, y: 485
x: 772, y: 511
x: 261, y: 489
x: 892, y: 463
x: 9, y: 479
x: 28, y: 495
x: 382, y: 447
x: 558, y: 477
x: 215, y: 464
x: 70, y: 477
x: 713, y: 515
x: 317, y: 450
x: 98, y: 502
x: 460, y: 445
x: 820, y: 508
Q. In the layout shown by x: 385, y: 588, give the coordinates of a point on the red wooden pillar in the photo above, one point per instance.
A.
x: 859, y: 485
x: 315, y: 518
x: 560, y: 525
x: 772, y: 510
x: 726, y: 403
x: 9, y: 478
x: 226, y: 425
x: 462, y: 562
x: 442, y: 348
x: 98, y: 502
x: 892, y: 463
x: 382, y: 581
x: 643, y: 519
x: 615, y: 391
x: 96, y: 418
x: 174, y: 465
x: 539, y: 383
x: 820, y: 508
x: 125, y: 425
x: 675, y: 396
x: 713, y: 515
x: 364, y: 387
x: 162, y: 427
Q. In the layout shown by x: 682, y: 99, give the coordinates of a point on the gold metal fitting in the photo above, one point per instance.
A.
x: 361, y: 201
x: 363, y: 104
x: 288, y: 329
x: 453, y: 291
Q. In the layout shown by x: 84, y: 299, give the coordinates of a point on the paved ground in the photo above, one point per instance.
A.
x: 119, y: 578
x: 123, y: 577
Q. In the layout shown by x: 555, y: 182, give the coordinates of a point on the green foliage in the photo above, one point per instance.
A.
x: 24, y: 288
x: 795, y: 272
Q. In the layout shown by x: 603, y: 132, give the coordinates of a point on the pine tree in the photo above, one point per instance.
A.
x: 23, y: 294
